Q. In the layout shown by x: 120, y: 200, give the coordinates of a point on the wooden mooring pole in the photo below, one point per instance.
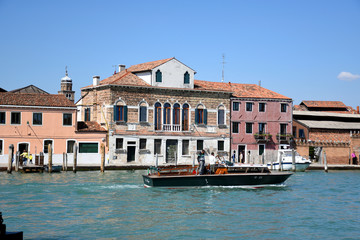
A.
x: 102, y: 151
x: 50, y: 158
x: 75, y: 157
x: 63, y: 165
x: 11, y: 153
x: 325, y: 163
x: 293, y: 160
x: 17, y: 159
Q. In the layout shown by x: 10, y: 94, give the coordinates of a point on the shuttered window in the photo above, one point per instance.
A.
x: 88, y: 147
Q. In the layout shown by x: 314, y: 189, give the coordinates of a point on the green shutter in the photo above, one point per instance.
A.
x: 125, y: 114
x: 196, y: 116
x: 205, y: 116
x: 115, y: 113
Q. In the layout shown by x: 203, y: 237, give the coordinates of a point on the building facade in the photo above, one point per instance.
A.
x: 157, y: 112
x: 32, y: 121
x: 261, y: 123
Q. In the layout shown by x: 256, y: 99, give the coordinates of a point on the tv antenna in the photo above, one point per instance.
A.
x: 223, y: 66
x: 114, y: 66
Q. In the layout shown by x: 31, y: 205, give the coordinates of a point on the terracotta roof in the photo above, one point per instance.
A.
x: 148, y: 65
x: 35, y: 99
x: 324, y: 104
x: 29, y: 89
x: 124, y: 78
x: 90, y: 126
x: 239, y: 90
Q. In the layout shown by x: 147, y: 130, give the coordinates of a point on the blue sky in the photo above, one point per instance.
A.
x: 306, y: 50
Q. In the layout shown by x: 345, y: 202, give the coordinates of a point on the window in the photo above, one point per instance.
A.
x: 249, y: 127
x: 37, y: 118
x: 157, y: 146
x: 1, y: 147
x: 120, y: 113
x: 142, y: 143
x: 236, y: 106
x: 167, y: 110
x: 2, y: 118
x: 301, y: 133
x: 235, y: 127
x: 186, y: 78
x: 200, y: 145
x: 176, y: 115
x: 185, y: 147
x: 262, y: 128
x: 67, y: 119
x: 119, y: 143
x: 158, y: 76
x: 143, y: 112
x: 249, y: 106
x: 294, y: 131
x: 70, y: 146
x: 200, y: 115
x: 283, y: 128
x: 87, y: 114
x: 15, y: 118
x: 221, y: 115
x: 46, y: 144
x: 283, y: 107
x: 88, y: 147
x: 261, y: 107
x: 221, y: 145
x: 185, y: 117
x: 157, y: 116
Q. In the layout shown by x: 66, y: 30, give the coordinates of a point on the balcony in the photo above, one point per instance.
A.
x: 262, y: 137
x: 171, y: 127
x: 284, y: 138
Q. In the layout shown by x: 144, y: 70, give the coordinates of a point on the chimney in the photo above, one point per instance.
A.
x: 121, y: 67
x: 96, y: 80
x: 357, y: 109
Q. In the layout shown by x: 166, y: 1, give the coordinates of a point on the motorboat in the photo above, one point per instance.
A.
x: 301, y: 163
x: 216, y: 175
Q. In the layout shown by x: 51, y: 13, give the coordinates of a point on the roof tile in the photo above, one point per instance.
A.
x: 35, y: 99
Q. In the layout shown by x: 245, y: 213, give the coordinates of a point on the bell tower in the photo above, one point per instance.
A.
x: 66, y: 87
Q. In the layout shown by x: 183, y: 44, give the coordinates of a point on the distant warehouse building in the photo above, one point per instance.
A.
x: 328, y: 126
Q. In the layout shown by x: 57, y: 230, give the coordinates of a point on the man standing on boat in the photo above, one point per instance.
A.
x: 201, y: 160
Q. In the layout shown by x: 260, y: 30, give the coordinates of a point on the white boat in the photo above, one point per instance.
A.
x: 301, y: 163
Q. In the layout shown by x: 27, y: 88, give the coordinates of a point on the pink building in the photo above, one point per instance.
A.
x: 31, y: 121
x: 261, y: 123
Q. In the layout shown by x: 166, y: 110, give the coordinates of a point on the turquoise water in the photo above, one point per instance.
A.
x: 115, y: 205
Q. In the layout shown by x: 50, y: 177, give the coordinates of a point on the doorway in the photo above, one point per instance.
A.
x: 241, y: 152
x: 22, y: 147
x: 131, y: 153
x: 171, y: 150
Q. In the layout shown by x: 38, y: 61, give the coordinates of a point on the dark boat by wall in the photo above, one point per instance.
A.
x: 239, y: 175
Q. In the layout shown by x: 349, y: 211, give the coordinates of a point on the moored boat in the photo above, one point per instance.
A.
x: 219, y: 175
x: 301, y: 163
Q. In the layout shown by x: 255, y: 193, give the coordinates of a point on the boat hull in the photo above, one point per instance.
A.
x: 250, y: 179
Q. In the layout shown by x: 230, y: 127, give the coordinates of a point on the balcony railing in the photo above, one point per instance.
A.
x: 281, y: 137
x: 262, y: 137
x: 171, y: 127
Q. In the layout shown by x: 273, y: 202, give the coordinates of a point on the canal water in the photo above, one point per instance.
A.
x: 115, y: 205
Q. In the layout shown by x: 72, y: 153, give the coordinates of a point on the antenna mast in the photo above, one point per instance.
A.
x: 223, y: 65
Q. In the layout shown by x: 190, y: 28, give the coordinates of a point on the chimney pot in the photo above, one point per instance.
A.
x: 96, y: 80
x: 121, y: 67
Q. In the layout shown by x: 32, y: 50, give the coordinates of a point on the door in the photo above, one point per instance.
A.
x: 131, y: 153
x: 23, y: 146
x: 171, y: 150
x: 241, y: 152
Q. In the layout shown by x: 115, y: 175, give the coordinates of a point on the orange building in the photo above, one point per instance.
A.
x: 31, y: 121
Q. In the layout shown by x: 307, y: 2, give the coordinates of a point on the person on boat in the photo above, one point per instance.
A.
x: 201, y: 160
x: 25, y: 156
x: 212, y: 161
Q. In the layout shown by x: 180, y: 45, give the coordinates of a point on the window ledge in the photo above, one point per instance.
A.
x: 144, y: 124
x: 222, y: 126
x: 144, y: 151
x: 120, y: 150
x: 121, y: 123
x: 201, y: 125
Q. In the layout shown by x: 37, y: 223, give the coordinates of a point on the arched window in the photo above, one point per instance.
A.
x: 167, y: 113
x: 200, y: 115
x: 221, y: 115
x: 143, y: 112
x: 120, y: 112
x: 157, y: 116
x: 185, y: 117
x: 158, y: 76
x: 186, y: 78
x: 176, y: 117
